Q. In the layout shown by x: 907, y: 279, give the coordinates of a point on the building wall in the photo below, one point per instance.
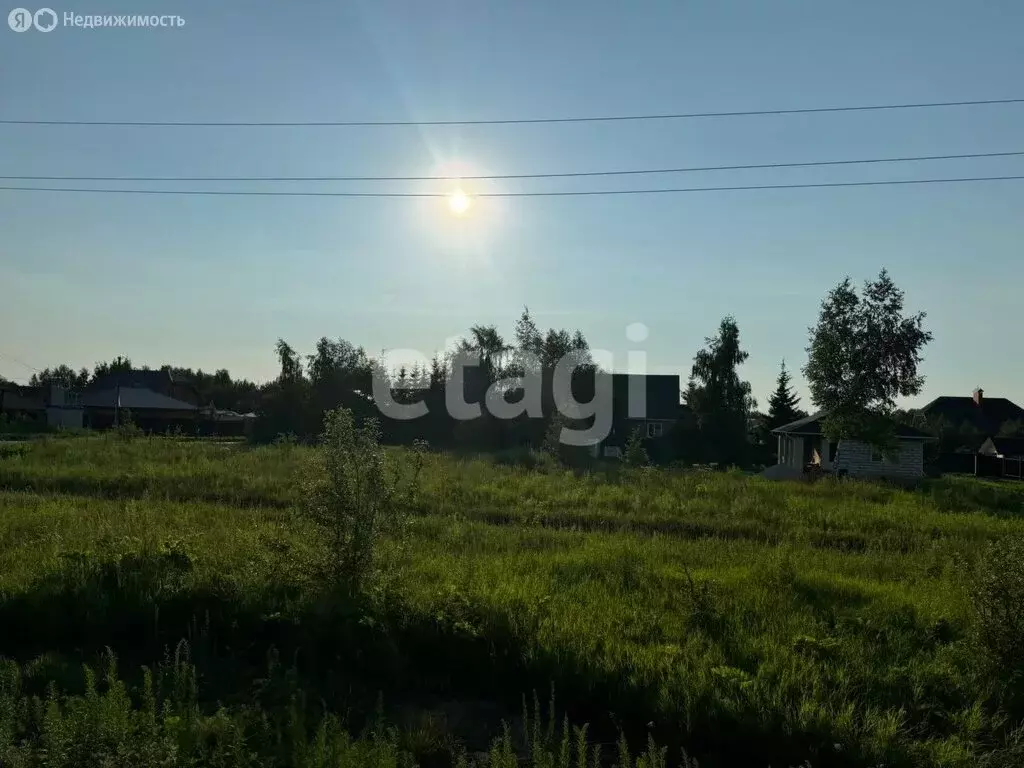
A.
x: 16, y: 401
x: 820, y: 453
x: 791, y: 451
x: 67, y: 418
x: 855, y: 457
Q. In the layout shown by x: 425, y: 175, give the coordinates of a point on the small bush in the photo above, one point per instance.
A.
x: 354, y: 494
x: 635, y: 454
x: 127, y: 430
x: 998, y: 597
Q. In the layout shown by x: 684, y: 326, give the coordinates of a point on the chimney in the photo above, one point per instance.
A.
x: 978, y: 394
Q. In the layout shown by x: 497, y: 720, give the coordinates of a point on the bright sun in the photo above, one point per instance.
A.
x: 459, y: 202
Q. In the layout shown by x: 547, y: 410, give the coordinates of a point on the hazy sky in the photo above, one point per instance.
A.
x: 213, y: 281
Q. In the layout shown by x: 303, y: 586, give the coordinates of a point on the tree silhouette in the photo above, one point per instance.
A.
x: 863, y: 354
x: 783, y: 402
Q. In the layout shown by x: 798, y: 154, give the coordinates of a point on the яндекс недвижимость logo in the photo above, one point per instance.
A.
x: 46, y: 20
x: 22, y: 19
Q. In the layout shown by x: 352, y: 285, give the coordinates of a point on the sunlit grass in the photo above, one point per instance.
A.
x: 711, y: 604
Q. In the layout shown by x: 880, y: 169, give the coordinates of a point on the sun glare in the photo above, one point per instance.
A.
x: 459, y: 202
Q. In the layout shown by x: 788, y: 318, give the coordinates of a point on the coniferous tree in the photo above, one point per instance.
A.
x: 783, y: 402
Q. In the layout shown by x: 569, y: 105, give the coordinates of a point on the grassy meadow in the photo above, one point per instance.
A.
x: 747, y: 622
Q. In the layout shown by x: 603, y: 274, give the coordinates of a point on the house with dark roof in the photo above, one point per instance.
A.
x: 985, y: 414
x: 156, y: 400
x: 161, y: 381
x: 803, y: 443
x: 645, y: 402
x: 149, y: 410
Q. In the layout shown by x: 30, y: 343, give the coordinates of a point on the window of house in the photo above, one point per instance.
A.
x: 876, y: 455
x: 654, y: 429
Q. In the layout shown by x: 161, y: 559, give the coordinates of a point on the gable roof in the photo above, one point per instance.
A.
x: 156, y: 380
x: 812, y: 426
x: 134, y: 398
x: 987, y: 417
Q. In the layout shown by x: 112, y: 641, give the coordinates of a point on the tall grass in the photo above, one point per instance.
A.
x: 748, y: 621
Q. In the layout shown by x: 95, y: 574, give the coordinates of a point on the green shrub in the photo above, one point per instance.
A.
x: 998, y: 597
x: 635, y: 454
x: 354, y: 494
x: 127, y: 429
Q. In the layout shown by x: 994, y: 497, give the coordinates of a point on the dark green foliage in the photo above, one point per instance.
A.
x: 720, y: 400
x: 1012, y: 429
x: 863, y: 354
x: 635, y: 454
x: 118, y: 365
x: 353, y: 494
x: 161, y: 724
x: 783, y: 402
x: 951, y: 438
x: 998, y: 597
x: 62, y: 375
x: 127, y: 429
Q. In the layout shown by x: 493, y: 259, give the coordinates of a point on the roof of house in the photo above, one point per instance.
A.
x: 987, y: 417
x: 134, y: 398
x: 1007, y: 446
x: 155, y: 380
x: 812, y: 425
x: 661, y: 394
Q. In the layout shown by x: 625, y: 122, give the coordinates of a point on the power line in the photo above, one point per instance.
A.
x: 19, y: 362
x: 581, y: 193
x: 515, y: 121
x: 567, y: 175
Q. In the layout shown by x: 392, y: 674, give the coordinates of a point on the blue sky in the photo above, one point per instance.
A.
x: 212, y: 282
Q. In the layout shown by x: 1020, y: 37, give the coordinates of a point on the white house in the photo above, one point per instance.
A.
x: 803, y: 443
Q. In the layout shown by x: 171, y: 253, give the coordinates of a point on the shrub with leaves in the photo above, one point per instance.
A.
x: 127, y: 429
x: 635, y: 454
x: 998, y: 597
x: 356, y: 496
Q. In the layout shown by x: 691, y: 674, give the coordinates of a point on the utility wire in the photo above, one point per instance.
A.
x: 581, y: 174
x: 590, y: 193
x: 516, y: 121
x: 19, y: 362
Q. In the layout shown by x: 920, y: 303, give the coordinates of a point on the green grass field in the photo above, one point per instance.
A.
x: 751, y: 623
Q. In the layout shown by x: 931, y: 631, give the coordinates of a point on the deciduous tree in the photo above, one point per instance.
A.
x: 863, y: 354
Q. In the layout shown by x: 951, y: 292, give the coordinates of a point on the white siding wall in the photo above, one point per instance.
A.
x: 855, y: 457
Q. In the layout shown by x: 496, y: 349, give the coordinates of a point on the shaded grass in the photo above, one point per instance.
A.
x: 747, y: 620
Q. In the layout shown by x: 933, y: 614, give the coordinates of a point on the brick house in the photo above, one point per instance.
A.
x: 803, y: 443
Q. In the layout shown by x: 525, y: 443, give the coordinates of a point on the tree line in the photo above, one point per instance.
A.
x: 862, y: 354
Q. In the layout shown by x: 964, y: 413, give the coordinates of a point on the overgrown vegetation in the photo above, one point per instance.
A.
x: 750, y: 622
x: 355, y: 495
